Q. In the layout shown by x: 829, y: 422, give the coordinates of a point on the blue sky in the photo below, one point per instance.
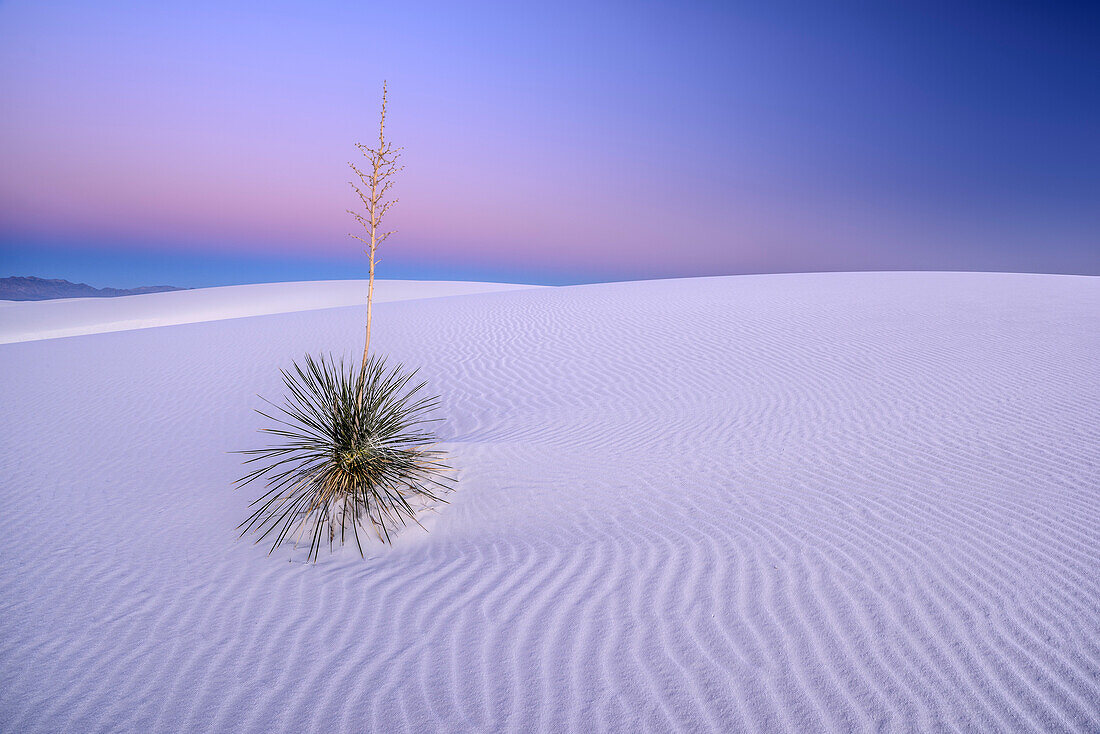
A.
x: 206, y: 143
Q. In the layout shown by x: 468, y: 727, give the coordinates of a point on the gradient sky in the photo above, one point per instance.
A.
x: 206, y: 143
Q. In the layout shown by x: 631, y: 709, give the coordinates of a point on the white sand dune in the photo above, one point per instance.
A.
x: 796, y: 503
x: 31, y: 320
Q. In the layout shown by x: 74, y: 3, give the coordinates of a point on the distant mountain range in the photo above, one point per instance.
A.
x: 31, y: 288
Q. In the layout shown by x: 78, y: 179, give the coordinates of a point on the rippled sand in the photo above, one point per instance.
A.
x: 837, y: 502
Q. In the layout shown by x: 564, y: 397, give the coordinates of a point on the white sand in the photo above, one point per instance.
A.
x: 840, y: 502
x: 30, y: 320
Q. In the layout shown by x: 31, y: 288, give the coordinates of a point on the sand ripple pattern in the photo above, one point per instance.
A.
x: 844, y: 502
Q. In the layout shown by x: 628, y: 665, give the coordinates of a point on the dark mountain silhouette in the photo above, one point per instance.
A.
x: 30, y: 288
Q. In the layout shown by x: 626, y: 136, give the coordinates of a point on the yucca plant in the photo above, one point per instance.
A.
x: 353, y: 448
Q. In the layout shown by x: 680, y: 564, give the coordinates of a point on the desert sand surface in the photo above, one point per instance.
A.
x: 32, y: 320
x: 785, y: 503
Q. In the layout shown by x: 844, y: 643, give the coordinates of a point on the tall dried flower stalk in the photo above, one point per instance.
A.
x: 372, y: 189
